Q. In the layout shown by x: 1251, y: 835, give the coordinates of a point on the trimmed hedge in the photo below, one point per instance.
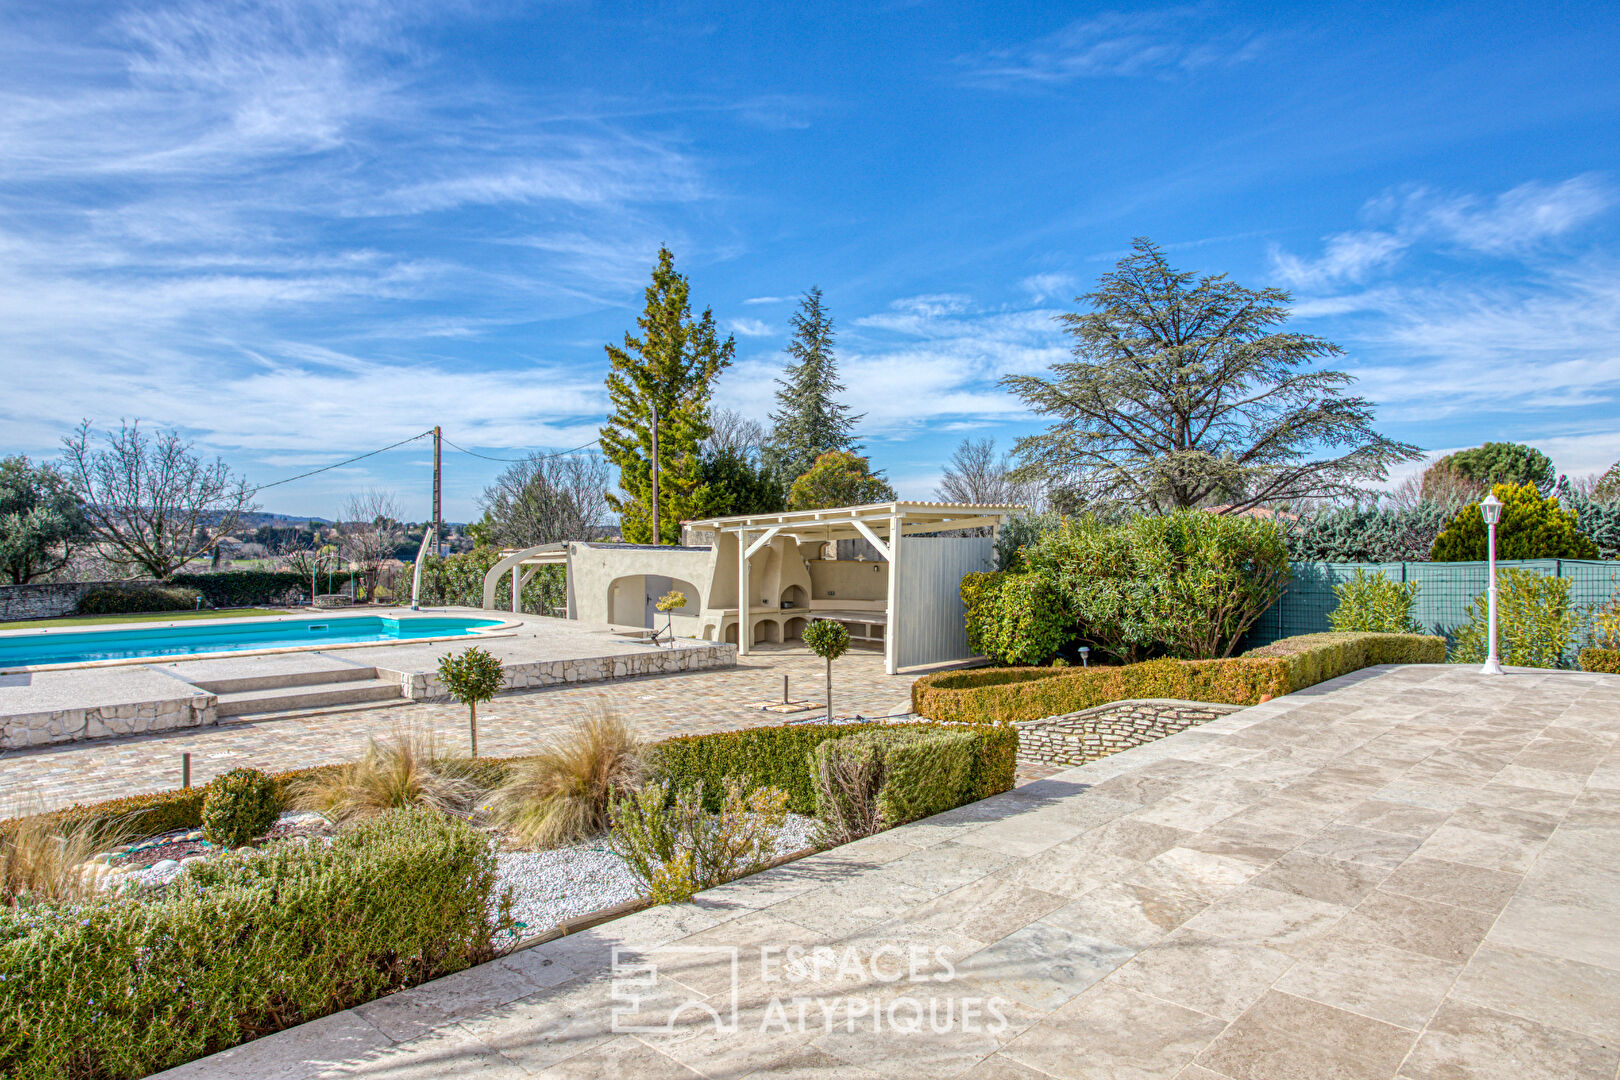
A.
x: 1005, y: 695
x: 920, y: 770
x: 120, y: 989
x: 182, y: 808
x: 776, y: 756
x: 252, y: 588
x: 1604, y: 660
x: 780, y: 757
x: 131, y: 599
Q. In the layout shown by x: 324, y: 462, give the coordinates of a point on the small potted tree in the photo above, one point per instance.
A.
x: 828, y: 640
x: 668, y: 603
x: 471, y: 677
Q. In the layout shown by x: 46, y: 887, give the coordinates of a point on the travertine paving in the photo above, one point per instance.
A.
x: 1408, y: 872
x: 660, y: 705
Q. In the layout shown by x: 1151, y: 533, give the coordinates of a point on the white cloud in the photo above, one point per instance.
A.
x: 1516, y: 223
x: 767, y: 299
x: 1117, y: 45
x: 1042, y: 287
x: 750, y: 327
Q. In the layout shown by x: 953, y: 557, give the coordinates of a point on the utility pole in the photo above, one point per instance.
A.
x: 655, y: 471
x: 438, y: 436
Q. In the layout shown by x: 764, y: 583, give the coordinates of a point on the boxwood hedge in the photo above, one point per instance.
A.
x: 119, y: 989
x: 1004, y: 695
x: 780, y: 757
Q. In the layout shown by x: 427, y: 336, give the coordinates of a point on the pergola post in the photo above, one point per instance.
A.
x: 517, y: 589
x: 744, y: 630
x: 891, y: 635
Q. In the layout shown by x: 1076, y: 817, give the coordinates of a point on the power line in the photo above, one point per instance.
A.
x: 340, y: 464
x: 487, y: 457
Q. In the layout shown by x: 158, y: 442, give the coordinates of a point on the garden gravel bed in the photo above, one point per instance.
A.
x: 549, y: 887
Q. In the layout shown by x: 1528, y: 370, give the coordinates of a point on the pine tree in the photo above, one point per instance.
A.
x: 809, y: 420
x: 673, y: 364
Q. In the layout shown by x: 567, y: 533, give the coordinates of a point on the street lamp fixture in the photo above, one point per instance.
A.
x: 1491, y: 508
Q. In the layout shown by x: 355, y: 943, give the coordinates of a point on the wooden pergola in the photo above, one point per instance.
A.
x: 883, y: 525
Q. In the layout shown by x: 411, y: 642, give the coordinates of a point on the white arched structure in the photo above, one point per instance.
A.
x: 521, y: 565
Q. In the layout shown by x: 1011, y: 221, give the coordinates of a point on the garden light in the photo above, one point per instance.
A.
x: 1492, y: 509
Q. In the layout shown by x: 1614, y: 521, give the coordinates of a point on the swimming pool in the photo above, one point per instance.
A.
x: 72, y: 646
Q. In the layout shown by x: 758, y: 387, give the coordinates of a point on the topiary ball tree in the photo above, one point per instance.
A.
x: 239, y: 807
x: 471, y: 677
x: 1532, y: 527
x: 828, y: 640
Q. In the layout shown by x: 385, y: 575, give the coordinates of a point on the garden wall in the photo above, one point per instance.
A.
x: 48, y: 600
x: 1442, y: 602
x: 1081, y: 737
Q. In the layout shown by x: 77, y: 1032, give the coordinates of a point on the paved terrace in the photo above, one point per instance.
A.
x: 660, y: 706
x: 1408, y: 872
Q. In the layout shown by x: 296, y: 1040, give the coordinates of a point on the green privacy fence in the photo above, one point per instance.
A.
x: 1442, y: 602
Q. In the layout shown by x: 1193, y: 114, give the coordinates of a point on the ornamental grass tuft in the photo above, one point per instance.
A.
x: 565, y: 792
x: 406, y: 769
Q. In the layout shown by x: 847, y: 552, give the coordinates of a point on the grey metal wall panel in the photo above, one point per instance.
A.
x: 932, y: 628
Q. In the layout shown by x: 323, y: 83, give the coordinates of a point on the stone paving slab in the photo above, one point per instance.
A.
x: 659, y: 705
x: 1409, y: 872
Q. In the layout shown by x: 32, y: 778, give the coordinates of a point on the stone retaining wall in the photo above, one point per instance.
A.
x: 47, y: 601
x: 1081, y: 737
x: 106, y: 721
x: 684, y: 656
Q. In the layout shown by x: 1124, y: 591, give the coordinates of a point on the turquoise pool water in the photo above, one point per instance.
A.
x: 69, y: 646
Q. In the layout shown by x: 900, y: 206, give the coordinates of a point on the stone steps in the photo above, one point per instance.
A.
x: 249, y: 704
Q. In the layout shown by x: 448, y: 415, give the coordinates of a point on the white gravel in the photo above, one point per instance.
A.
x: 564, y: 883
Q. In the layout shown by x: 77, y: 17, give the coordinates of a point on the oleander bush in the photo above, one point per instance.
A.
x: 1604, y: 660
x: 1005, y: 695
x: 1373, y: 603
x: 137, y: 599
x: 243, y: 946
x: 780, y: 757
x: 239, y: 807
x: 878, y: 779
x: 1536, y: 623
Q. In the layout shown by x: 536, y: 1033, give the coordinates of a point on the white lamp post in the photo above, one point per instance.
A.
x: 1492, y: 509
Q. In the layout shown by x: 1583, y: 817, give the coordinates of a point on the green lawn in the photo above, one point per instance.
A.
x: 150, y: 616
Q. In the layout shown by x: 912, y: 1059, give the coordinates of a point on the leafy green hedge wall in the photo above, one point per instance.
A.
x: 130, y: 599
x: 248, y: 588
x: 1004, y: 695
x: 116, y: 990
x: 1604, y: 660
x: 780, y: 757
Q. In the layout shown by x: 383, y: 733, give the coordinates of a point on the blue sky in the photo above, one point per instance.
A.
x: 301, y: 230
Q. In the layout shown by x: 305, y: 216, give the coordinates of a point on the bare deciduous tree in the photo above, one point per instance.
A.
x: 151, y: 503
x: 545, y: 500
x: 369, y: 532
x: 730, y: 432
x: 977, y: 474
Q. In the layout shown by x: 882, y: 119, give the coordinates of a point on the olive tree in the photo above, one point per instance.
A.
x: 41, y: 521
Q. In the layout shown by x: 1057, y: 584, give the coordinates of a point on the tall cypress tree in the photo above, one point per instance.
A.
x: 809, y: 421
x: 672, y: 364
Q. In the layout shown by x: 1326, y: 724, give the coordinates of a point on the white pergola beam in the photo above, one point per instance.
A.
x: 883, y: 549
x: 753, y: 549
